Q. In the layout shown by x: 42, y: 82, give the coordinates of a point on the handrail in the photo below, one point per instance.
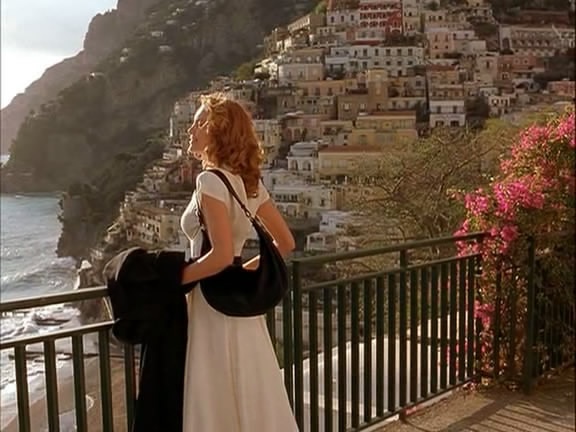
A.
x: 52, y: 299
x: 54, y: 335
x: 101, y: 292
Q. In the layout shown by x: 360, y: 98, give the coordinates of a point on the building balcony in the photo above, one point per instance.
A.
x: 320, y: 246
x: 354, y: 351
x: 289, y: 200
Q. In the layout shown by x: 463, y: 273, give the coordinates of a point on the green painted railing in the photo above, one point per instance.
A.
x: 76, y: 335
x: 363, y: 336
x: 546, y: 275
x: 369, y: 345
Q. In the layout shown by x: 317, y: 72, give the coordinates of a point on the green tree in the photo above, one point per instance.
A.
x: 320, y: 7
x: 245, y: 71
x: 477, y: 111
x: 412, y: 187
x: 485, y: 30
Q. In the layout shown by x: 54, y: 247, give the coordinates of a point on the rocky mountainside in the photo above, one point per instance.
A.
x: 99, y: 133
x: 176, y: 47
x: 106, y: 33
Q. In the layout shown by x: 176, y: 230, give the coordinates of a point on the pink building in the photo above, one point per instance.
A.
x: 384, y: 14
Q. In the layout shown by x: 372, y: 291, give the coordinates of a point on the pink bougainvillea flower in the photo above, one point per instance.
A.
x: 534, y: 193
x: 484, y: 311
x: 566, y: 130
x: 477, y: 203
x: 509, y: 233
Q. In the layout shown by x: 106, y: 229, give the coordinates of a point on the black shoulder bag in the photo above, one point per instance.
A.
x: 236, y: 291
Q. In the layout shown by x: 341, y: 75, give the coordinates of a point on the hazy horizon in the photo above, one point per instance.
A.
x: 59, y: 27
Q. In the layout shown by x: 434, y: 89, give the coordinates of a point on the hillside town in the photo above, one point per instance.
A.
x: 339, y: 86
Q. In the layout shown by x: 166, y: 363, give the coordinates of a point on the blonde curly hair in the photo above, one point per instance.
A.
x: 233, y: 141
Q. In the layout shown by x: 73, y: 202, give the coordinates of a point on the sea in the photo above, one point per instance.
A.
x: 28, y: 267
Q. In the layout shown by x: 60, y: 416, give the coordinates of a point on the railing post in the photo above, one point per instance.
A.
x: 473, y: 297
x: 497, y: 321
x: 287, y: 345
x: 298, y: 345
x: 402, y: 312
x: 528, y: 366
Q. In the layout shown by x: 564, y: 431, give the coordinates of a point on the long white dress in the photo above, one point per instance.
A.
x: 232, y: 382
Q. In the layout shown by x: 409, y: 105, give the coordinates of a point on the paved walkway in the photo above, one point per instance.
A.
x: 549, y: 409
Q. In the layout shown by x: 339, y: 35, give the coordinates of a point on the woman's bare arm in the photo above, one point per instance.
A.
x: 217, y: 219
x: 278, y: 228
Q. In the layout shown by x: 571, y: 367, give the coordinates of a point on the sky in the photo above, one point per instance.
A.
x: 36, y: 34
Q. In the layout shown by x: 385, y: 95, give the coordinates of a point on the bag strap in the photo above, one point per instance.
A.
x: 230, y: 188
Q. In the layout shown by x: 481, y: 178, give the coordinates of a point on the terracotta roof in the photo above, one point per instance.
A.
x: 350, y: 149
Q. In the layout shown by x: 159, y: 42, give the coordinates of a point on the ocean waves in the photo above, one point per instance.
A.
x: 29, y: 266
x: 30, y: 231
x: 40, y: 276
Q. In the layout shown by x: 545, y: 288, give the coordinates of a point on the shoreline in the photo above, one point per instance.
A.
x: 66, y: 406
x: 40, y: 194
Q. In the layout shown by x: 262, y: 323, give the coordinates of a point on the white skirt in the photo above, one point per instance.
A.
x: 232, y: 381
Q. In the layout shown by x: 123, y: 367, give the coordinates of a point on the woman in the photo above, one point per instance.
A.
x: 233, y: 382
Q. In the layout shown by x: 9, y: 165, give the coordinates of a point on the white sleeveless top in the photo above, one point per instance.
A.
x: 209, y: 184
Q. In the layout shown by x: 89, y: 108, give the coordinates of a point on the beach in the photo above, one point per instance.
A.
x: 38, y: 409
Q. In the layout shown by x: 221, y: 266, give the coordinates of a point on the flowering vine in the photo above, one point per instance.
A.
x: 533, y: 196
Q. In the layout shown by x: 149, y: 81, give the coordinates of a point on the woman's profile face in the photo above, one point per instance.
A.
x: 198, y: 133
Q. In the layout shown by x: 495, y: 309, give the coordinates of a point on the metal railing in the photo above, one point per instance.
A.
x: 549, y: 316
x: 76, y: 336
x: 405, y: 332
x: 363, y: 336
x: 551, y: 312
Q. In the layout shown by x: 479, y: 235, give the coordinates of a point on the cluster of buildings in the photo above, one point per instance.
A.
x: 338, y: 87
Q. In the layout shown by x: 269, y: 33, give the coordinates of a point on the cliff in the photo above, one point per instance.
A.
x: 97, y: 131
x: 106, y: 33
